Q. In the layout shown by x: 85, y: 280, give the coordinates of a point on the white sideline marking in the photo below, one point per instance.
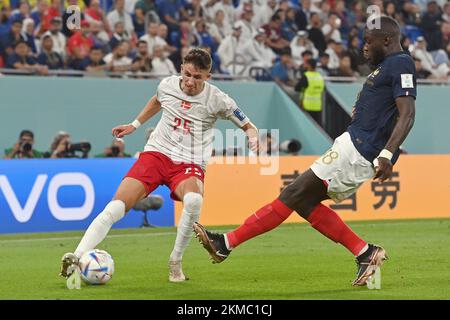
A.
x: 79, y: 237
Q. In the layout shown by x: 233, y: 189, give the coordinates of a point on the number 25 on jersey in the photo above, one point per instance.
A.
x: 185, y: 124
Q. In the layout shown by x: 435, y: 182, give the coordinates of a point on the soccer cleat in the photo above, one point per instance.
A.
x: 214, y: 243
x: 69, y: 263
x: 176, y: 272
x: 368, y: 262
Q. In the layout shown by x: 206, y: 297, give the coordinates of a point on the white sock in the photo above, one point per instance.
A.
x: 363, y: 250
x: 191, y: 212
x: 99, y: 228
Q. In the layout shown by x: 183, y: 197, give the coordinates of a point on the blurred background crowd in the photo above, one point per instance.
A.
x: 263, y: 39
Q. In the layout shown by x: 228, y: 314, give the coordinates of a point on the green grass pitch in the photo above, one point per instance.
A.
x: 291, y: 262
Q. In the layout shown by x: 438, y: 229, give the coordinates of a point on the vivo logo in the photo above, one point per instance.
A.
x: 24, y: 214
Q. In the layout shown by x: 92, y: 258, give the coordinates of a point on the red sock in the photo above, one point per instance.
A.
x: 327, y: 222
x: 263, y: 220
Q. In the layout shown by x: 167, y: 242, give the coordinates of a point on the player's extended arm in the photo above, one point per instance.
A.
x: 406, y: 109
x: 152, y: 107
x: 252, y: 134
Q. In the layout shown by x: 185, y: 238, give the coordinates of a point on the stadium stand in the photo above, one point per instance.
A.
x: 249, y: 40
x: 175, y: 25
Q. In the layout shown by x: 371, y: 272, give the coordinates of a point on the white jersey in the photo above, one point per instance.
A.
x: 185, y: 131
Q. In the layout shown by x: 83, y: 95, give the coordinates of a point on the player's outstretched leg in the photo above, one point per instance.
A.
x: 97, y: 231
x: 214, y: 243
x: 192, y: 204
x: 368, y: 262
x: 263, y: 220
x: 129, y: 192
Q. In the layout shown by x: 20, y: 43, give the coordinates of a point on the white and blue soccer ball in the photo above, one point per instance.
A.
x: 96, y: 267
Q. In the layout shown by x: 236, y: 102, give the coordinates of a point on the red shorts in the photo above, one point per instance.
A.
x: 154, y: 169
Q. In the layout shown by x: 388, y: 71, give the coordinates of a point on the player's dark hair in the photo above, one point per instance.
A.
x: 199, y: 58
x: 388, y: 26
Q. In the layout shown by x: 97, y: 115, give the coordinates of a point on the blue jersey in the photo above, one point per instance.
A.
x: 375, y: 112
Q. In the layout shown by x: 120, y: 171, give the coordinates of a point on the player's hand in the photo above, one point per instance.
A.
x: 123, y: 130
x: 384, y: 169
x: 253, y: 144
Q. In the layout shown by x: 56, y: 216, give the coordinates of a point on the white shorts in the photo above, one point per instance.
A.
x: 342, y: 168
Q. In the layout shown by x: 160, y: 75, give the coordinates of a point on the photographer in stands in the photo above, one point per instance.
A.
x: 115, y: 150
x: 23, y: 147
x: 62, y: 147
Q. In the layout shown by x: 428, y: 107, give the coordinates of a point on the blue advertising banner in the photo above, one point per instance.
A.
x: 67, y: 194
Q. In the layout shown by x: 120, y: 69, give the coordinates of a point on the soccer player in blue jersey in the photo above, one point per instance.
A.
x: 382, y: 118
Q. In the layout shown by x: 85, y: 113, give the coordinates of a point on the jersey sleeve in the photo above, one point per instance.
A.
x: 159, y: 91
x: 162, y: 88
x: 404, y: 78
x: 229, y: 110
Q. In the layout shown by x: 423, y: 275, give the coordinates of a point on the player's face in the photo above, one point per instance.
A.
x: 193, y: 79
x: 373, y: 48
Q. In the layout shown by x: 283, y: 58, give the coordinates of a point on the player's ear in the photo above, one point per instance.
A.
x: 387, y: 41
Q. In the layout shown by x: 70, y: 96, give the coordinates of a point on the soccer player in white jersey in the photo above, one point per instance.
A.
x: 175, y: 155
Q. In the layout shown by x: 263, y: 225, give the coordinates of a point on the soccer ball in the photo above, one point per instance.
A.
x: 96, y: 267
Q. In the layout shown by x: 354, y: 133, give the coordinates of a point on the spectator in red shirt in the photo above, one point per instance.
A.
x: 95, y: 13
x: 80, y: 44
x: 273, y: 31
x: 41, y: 17
x: 54, y: 10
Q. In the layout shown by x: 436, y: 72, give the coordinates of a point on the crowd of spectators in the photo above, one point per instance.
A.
x: 152, y: 36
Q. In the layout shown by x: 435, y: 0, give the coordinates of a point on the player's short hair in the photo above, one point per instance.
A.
x: 388, y: 26
x: 200, y: 58
x: 390, y: 23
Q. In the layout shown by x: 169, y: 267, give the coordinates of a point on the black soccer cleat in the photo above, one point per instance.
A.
x: 368, y: 262
x: 214, y: 243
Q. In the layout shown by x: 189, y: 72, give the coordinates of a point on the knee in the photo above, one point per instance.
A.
x: 113, y: 212
x: 192, y: 202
